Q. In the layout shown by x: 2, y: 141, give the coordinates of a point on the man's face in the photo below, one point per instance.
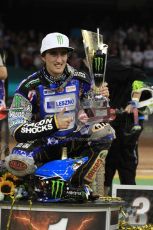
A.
x: 55, y: 60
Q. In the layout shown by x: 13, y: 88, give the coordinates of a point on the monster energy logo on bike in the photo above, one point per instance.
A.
x: 60, y: 39
x: 57, y: 188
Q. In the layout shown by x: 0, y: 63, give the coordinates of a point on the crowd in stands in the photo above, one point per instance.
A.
x: 133, y: 44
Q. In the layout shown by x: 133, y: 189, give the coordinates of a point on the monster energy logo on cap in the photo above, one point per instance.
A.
x: 57, y: 188
x: 55, y: 40
x: 60, y: 39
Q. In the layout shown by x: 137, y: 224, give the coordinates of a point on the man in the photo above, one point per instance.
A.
x: 44, y: 114
x: 124, y: 95
x: 4, y: 134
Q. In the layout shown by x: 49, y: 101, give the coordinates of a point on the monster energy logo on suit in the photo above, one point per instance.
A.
x: 57, y: 188
x: 60, y: 39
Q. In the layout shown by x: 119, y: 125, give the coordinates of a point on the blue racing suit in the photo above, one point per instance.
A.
x: 32, y: 123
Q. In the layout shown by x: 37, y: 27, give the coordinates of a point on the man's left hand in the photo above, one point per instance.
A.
x: 104, y: 91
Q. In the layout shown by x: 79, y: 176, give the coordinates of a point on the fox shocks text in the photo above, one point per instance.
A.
x: 43, y: 125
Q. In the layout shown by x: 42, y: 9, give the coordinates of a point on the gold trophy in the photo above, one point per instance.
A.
x: 96, y: 106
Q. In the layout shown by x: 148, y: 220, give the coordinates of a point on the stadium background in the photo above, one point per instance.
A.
x: 69, y: 16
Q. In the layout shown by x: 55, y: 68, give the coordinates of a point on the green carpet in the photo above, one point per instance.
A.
x: 143, y: 180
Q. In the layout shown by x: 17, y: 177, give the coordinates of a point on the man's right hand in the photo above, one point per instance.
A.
x: 62, y: 122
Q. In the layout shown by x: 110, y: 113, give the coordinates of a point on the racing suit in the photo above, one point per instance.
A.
x: 32, y: 123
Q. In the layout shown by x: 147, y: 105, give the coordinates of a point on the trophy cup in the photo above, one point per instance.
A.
x: 95, y: 105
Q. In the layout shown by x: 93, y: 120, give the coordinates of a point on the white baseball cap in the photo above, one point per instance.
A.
x: 55, y: 40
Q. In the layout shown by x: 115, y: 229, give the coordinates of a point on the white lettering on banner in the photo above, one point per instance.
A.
x: 62, y: 225
x: 143, y: 207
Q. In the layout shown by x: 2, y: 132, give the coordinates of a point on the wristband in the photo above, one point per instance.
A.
x: 134, y: 103
x: 135, y: 99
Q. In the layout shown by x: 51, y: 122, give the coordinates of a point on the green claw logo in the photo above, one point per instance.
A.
x: 60, y: 39
x: 17, y: 101
x: 98, y: 64
x: 57, y: 188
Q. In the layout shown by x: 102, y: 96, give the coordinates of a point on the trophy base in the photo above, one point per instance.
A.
x: 97, y: 109
x: 98, y: 115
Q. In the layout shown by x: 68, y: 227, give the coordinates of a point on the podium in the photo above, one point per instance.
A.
x: 97, y: 215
